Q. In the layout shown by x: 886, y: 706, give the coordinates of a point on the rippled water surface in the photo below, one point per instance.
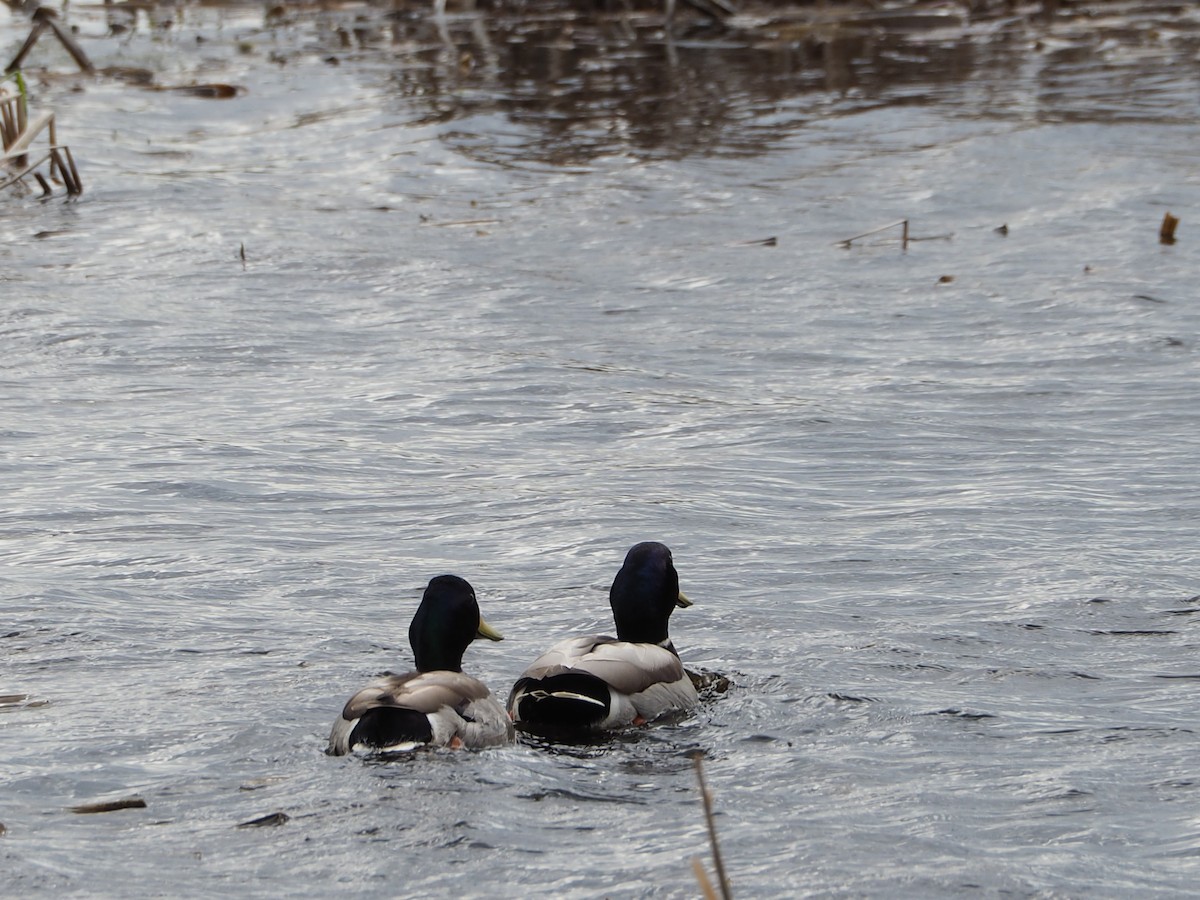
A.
x: 501, y: 295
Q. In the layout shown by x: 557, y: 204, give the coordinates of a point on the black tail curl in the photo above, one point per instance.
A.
x: 385, y: 727
x: 558, y: 701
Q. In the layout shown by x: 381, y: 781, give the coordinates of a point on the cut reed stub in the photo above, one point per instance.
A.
x: 1166, y: 231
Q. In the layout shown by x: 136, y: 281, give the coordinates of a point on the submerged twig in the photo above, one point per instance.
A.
x: 706, y: 797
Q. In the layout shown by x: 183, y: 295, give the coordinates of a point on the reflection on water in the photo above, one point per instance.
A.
x: 577, y: 82
x: 899, y: 496
x: 583, y: 83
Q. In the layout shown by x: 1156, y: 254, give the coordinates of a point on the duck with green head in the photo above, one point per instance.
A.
x: 599, y: 683
x: 436, y: 705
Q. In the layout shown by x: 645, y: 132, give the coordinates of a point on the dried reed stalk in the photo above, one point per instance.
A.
x: 18, y: 133
x: 722, y: 878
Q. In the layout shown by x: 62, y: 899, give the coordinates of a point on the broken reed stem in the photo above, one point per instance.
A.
x: 706, y: 797
x: 36, y: 32
x: 8, y: 128
x: 18, y: 133
x: 65, y: 173
x: 60, y: 160
x: 68, y: 42
x: 78, y: 184
x: 12, y: 107
x: 55, y: 163
x: 25, y: 172
x: 43, y: 19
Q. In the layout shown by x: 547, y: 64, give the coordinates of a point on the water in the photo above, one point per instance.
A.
x: 503, y: 315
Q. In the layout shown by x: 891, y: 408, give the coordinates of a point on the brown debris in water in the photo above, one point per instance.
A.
x: 206, y: 91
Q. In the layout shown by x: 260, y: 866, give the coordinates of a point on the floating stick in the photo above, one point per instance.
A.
x: 110, y: 806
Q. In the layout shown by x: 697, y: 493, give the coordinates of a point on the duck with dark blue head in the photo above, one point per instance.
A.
x: 437, y: 704
x: 600, y: 683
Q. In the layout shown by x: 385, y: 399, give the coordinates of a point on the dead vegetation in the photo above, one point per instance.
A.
x: 24, y: 158
x: 52, y: 164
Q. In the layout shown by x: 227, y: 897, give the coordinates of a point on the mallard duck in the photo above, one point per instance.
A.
x: 597, y: 682
x: 437, y: 704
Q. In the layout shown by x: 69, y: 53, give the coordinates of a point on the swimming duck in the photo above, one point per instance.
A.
x: 597, y: 682
x: 437, y: 704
